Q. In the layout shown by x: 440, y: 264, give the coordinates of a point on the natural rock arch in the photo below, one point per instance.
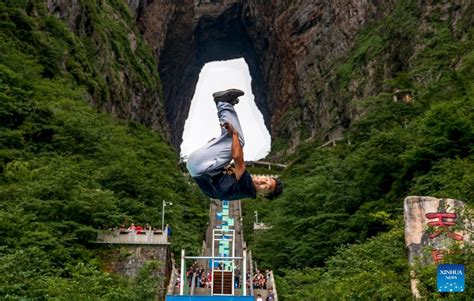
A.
x: 293, y: 52
x: 189, y: 45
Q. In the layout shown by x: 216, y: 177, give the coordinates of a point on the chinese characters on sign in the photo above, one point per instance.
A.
x: 432, y: 224
x: 441, y: 222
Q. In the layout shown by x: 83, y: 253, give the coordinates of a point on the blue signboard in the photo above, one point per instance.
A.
x: 450, y: 278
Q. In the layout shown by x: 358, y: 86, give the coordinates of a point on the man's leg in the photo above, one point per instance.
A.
x: 216, y: 154
x: 211, y: 158
x: 226, y: 113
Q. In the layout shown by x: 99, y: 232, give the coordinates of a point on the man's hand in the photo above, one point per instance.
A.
x: 236, y: 150
x: 229, y: 127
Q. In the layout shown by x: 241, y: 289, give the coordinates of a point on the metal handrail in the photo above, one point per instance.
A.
x: 251, y: 272
x: 273, y: 285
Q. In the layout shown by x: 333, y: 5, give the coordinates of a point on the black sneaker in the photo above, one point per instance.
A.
x: 229, y: 96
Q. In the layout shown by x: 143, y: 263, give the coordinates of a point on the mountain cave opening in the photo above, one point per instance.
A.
x: 185, y: 52
x: 202, y: 123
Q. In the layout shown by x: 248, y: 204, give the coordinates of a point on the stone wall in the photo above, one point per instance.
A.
x: 133, y: 237
x: 128, y: 259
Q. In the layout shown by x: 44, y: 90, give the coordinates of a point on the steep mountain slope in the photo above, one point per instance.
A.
x: 67, y: 169
x: 420, y: 145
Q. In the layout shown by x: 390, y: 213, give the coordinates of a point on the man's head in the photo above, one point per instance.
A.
x: 268, y: 187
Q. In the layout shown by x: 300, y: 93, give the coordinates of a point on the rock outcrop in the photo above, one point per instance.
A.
x: 299, y: 46
x: 290, y: 48
x: 127, y: 83
x: 432, y: 225
x: 294, y: 49
x: 186, y: 35
x: 129, y: 259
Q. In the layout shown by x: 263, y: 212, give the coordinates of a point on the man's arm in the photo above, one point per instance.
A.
x: 236, y: 151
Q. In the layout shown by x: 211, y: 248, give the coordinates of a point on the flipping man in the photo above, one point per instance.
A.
x: 209, y: 165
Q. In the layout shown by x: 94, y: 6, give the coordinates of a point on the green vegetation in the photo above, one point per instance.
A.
x: 336, y: 230
x: 67, y: 169
x: 357, y: 272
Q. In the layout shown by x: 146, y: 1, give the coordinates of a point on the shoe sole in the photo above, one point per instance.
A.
x: 228, y: 95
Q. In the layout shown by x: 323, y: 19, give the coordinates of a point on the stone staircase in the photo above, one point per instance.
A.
x: 202, y: 291
x: 224, y: 217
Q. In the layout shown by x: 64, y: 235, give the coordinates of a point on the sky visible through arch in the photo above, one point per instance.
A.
x: 202, y: 124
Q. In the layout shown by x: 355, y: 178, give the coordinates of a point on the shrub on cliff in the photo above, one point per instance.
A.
x: 67, y: 169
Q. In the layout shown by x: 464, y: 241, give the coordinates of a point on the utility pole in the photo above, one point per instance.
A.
x: 163, y: 214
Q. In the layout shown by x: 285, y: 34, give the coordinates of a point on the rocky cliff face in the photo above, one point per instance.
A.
x: 303, y: 45
x: 299, y: 45
x: 186, y: 35
x: 290, y: 47
x: 126, y: 75
x: 296, y: 51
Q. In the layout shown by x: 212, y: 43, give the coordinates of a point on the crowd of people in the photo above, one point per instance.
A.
x: 138, y: 229
x: 203, y: 279
x: 259, y: 279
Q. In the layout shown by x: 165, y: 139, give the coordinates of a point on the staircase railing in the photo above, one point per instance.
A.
x: 271, y: 280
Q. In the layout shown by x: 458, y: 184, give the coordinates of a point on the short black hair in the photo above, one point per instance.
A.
x: 277, y: 191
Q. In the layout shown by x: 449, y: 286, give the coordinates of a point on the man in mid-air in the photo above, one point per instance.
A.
x: 209, y: 165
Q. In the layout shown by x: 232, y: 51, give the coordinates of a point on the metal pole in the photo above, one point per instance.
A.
x: 244, y: 274
x: 163, y: 217
x: 233, y: 261
x: 212, y: 261
x: 183, y: 271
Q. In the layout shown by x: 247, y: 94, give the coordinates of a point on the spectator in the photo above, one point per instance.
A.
x: 262, y: 284
x: 271, y: 295
x: 199, y: 274
x: 237, y: 277
x: 189, y: 275
x: 209, y: 279
x: 132, y: 227
x: 259, y: 297
x: 259, y: 280
x: 139, y: 229
x: 256, y: 280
